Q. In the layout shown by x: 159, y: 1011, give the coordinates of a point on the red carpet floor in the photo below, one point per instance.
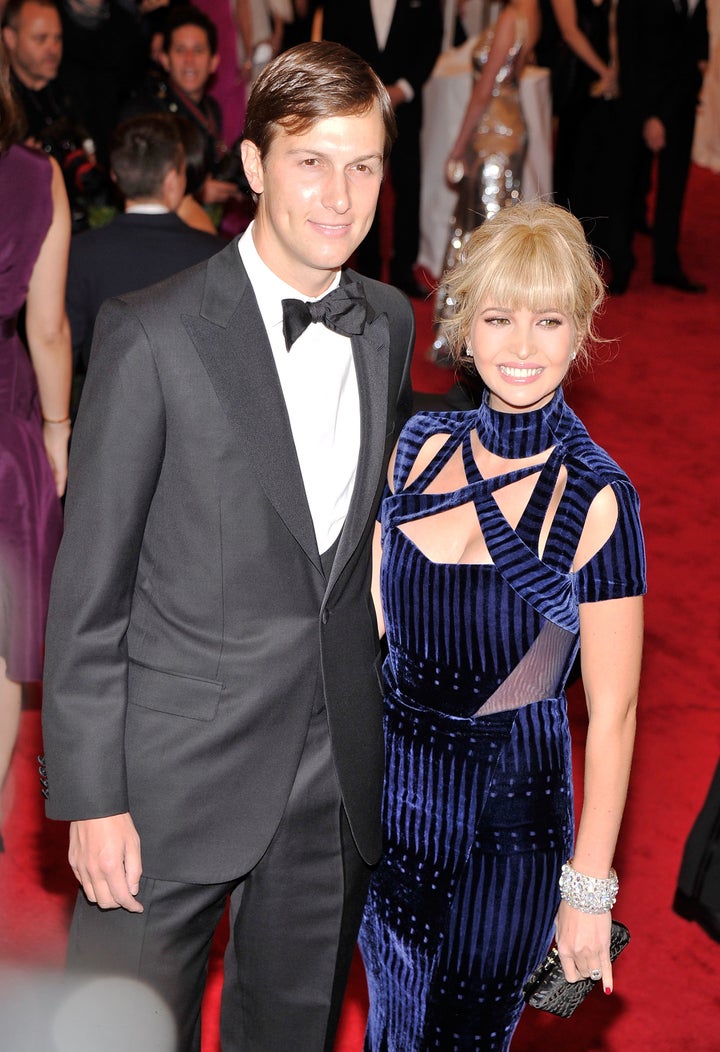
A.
x: 652, y: 400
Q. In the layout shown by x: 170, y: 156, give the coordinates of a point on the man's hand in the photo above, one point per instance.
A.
x: 397, y: 95
x: 654, y: 134
x: 105, y: 857
x: 218, y: 192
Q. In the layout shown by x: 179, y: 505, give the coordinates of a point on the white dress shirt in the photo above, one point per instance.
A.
x: 382, y: 13
x: 321, y: 395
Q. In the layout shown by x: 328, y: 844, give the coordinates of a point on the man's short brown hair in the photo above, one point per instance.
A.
x: 309, y: 83
x: 142, y: 152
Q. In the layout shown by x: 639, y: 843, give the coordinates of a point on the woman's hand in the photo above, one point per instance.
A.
x: 583, y: 942
x: 606, y: 87
x: 56, y: 437
x: 454, y: 169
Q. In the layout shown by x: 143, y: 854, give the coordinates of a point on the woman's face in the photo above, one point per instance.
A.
x: 521, y: 355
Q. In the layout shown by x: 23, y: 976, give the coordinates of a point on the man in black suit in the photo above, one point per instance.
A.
x: 189, y: 57
x: 212, y: 701
x: 55, y: 119
x: 147, y: 242
x: 401, y: 40
x: 662, y: 45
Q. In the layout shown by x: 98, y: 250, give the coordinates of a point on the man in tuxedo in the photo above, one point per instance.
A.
x: 212, y: 703
x: 401, y: 40
x: 147, y: 242
x: 662, y: 45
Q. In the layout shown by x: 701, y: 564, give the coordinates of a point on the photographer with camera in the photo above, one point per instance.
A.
x: 32, y: 33
x: 189, y: 57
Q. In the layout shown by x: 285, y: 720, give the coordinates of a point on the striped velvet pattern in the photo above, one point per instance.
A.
x: 478, y: 821
x: 478, y: 796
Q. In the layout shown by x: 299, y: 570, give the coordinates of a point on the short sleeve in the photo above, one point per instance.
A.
x: 617, y: 570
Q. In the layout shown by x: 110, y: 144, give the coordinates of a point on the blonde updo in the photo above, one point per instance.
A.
x: 530, y: 255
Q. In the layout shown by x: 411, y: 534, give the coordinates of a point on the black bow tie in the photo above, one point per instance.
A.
x: 343, y: 310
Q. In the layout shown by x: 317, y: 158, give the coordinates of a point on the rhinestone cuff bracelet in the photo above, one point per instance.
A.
x: 588, y: 894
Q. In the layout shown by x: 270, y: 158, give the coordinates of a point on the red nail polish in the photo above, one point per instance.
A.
x: 608, y: 991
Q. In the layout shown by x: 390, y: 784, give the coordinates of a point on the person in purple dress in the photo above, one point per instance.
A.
x: 34, y: 403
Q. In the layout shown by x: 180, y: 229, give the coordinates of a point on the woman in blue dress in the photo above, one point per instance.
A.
x: 507, y: 540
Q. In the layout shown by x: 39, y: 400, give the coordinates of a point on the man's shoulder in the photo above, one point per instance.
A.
x: 183, y: 292
x: 382, y: 297
x: 89, y: 243
x: 134, y: 227
x: 193, y: 236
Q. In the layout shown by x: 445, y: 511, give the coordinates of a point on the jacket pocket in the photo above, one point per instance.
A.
x: 177, y: 695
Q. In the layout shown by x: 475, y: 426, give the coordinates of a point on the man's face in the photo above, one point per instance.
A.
x: 317, y: 194
x: 189, y: 62
x: 35, y: 45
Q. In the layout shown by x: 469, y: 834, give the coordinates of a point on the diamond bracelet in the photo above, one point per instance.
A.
x: 588, y: 894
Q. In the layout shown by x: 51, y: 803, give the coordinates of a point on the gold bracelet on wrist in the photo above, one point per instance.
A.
x: 65, y: 420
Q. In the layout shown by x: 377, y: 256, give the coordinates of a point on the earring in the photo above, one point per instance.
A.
x: 573, y: 356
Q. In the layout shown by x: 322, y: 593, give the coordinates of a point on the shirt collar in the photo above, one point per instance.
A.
x: 270, y: 290
x: 147, y: 210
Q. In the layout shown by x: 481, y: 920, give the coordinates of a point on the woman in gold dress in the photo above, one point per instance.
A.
x: 486, y: 160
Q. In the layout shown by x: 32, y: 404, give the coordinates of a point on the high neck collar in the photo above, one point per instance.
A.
x: 519, y: 435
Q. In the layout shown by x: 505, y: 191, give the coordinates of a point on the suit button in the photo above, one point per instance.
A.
x: 325, y: 616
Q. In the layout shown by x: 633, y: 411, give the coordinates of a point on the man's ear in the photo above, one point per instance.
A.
x: 9, y: 36
x: 164, y: 60
x: 174, y: 186
x: 252, y: 164
x: 214, y: 63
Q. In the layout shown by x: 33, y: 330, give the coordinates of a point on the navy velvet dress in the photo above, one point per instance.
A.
x: 478, y: 806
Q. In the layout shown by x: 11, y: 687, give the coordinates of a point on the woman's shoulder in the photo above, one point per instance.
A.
x: 28, y: 163
x: 27, y: 201
x: 590, y: 458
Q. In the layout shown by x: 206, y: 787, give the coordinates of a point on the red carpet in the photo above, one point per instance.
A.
x: 652, y: 400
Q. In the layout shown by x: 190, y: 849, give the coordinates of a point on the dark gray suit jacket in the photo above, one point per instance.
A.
x: 133, y: 251
x: 191, y: 625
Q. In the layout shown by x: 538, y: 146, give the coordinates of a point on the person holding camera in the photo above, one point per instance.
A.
x: 189, y: 58
x: 33, y: 37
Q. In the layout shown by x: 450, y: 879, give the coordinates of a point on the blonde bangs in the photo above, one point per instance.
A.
x: 528, y: 272
x: 532, y: 256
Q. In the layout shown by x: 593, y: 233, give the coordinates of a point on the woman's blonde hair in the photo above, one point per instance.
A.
x: 530, y: 255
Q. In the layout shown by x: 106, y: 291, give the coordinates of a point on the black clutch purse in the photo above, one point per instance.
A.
x: 547, y: 987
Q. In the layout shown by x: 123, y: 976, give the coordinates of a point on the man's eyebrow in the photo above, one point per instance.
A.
x: 309, y: 151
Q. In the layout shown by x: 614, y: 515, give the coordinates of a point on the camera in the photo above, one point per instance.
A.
x: 86, y: 181
x: 230, y: 169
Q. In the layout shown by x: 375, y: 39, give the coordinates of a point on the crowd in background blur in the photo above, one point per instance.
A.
x: 625, y: 76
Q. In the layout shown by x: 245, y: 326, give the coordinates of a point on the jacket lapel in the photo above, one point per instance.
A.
x: 230, y: 338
